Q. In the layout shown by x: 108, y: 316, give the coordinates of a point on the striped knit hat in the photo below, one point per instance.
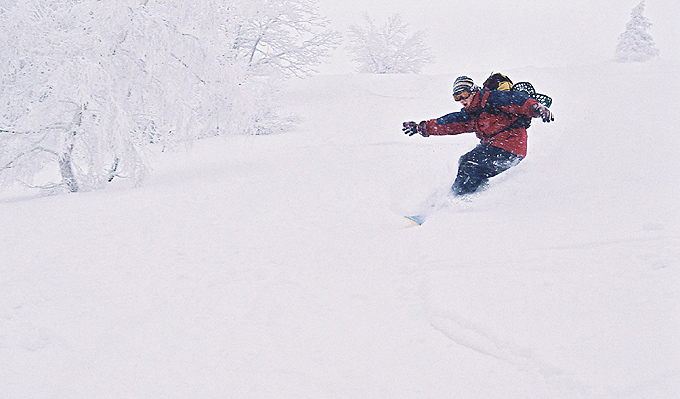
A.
x: 463, y: 83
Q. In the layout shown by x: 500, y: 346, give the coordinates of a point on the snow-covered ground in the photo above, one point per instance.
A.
x: 281, y: 267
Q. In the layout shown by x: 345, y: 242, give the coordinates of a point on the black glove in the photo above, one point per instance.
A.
x: 412, y: 128
x: 544, y: 113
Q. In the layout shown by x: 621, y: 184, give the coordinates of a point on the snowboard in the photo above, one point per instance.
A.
x: 416, y: 219
x: 438, y: 201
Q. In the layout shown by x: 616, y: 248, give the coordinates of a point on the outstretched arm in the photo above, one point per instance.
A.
x: 453, y: 123
x: 519, y: 103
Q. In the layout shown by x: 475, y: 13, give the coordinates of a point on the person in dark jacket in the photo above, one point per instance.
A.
x: 499, y: 119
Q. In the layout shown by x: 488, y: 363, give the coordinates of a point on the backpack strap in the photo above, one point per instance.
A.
x: 485, y: 106
x: 484, y: 97
x: 521, y: 120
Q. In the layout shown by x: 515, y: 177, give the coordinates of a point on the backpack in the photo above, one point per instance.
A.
x: 498, y: 81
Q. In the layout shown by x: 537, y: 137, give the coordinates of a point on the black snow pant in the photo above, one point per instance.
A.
x: 477, y: 166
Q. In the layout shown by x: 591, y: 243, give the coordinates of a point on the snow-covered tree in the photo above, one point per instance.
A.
x: 635, y: 44
x: 71, y: 76
x: 87, y: 85
x: 287, y: 37
x: 388, y: 49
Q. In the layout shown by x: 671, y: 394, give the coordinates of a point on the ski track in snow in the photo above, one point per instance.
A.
x: 465, y: 333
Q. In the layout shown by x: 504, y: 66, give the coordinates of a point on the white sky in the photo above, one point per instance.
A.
x: 492, y: 35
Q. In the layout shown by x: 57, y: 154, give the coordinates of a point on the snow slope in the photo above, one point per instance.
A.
x: 280, y: 266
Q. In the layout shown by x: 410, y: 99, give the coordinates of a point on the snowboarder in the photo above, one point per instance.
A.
x: 499, y: 118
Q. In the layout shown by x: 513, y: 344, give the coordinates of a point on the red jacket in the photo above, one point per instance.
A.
x: 499, y: 118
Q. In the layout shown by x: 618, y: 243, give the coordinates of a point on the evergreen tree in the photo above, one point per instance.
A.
x: 635, y: 44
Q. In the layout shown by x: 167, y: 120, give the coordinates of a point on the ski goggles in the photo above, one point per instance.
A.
x: 462, y: 96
